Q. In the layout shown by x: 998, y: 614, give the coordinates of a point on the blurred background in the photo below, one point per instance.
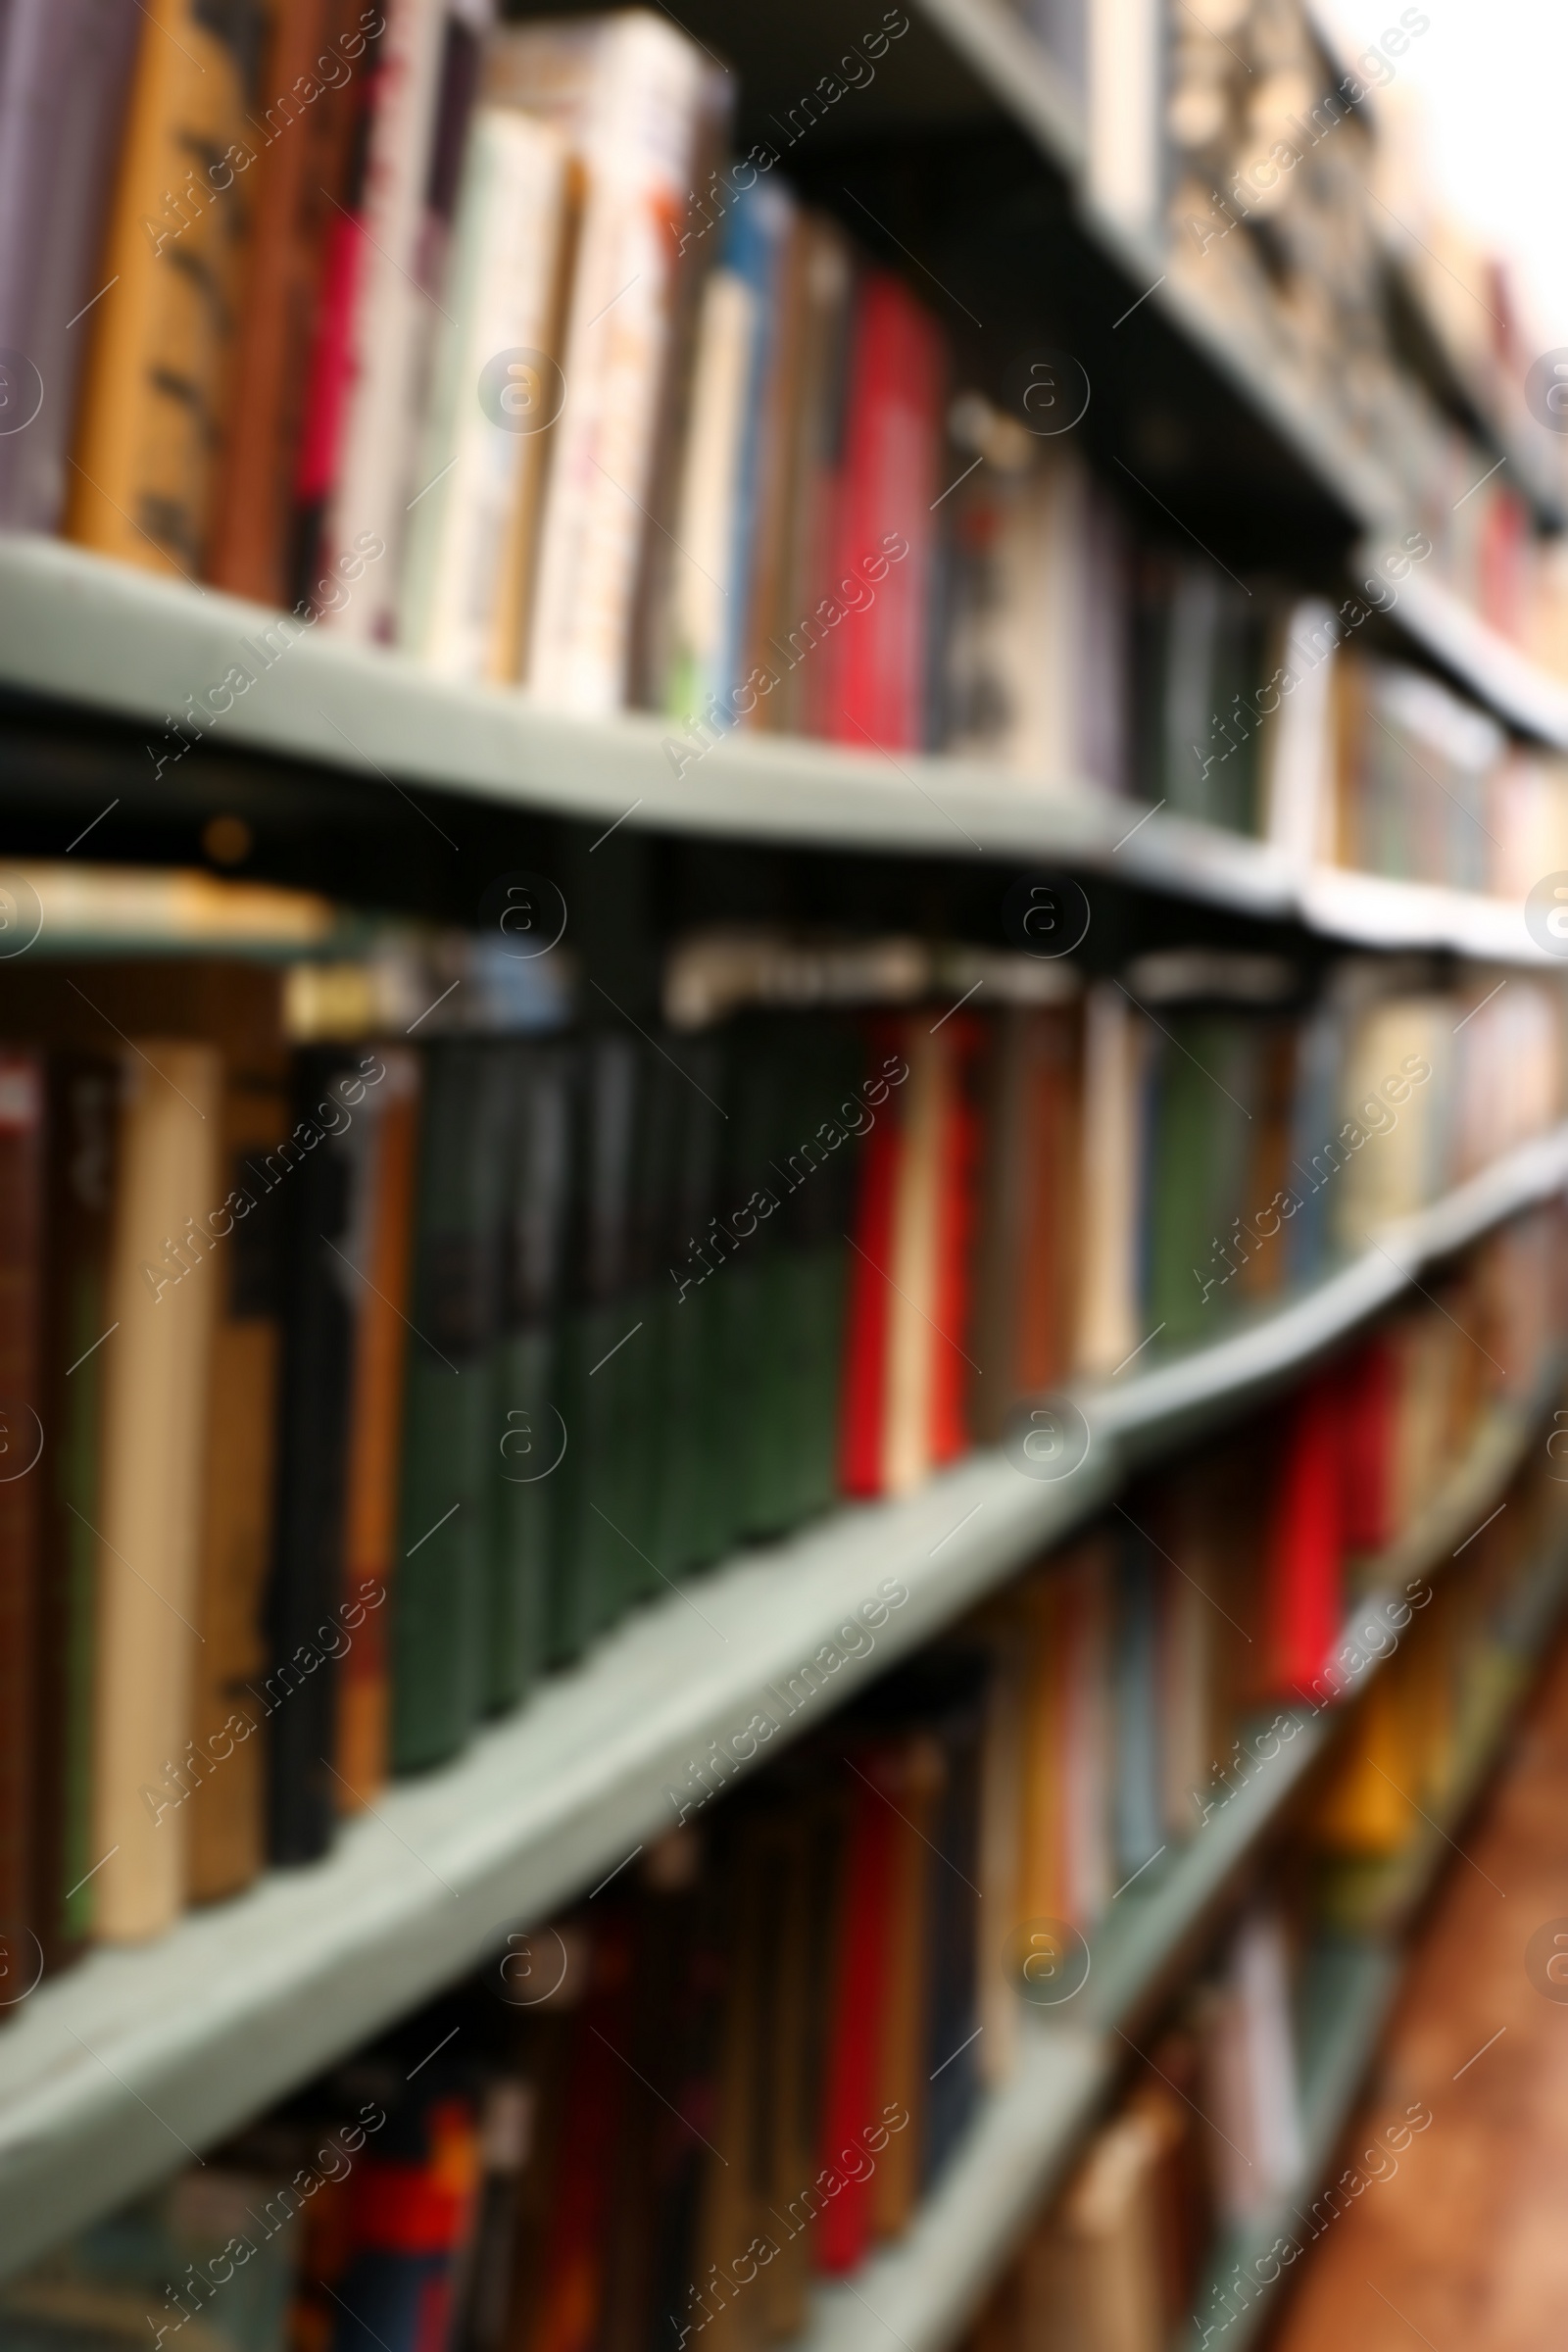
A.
x: 783, y: 1129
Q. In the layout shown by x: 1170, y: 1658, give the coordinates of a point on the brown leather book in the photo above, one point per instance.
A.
x: 390, y: 1130
x: 22, y: 1482
x: 299, y: 141
x: 1026, y: 1231
x: 1051, y: 1154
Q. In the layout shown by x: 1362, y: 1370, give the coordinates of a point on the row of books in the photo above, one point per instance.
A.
x: 1128, y: 1674
x: 1209, y: 2132
x: 1263, y: 714
x: 726, y: 479
x: 370, y: 1379
x: 745, y: 2063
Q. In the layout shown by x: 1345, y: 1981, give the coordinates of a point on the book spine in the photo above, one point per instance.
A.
x: 152, y: 402
x: 162, y: 1301
x: 379, y: 289
x: 64, y: 73
x: 22, y: 1149
x: 84, y: 1098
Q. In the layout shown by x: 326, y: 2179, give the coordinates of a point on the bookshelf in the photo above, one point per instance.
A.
x: 89, y: 634
x: 923, y: 2291
x: 107, y: 2072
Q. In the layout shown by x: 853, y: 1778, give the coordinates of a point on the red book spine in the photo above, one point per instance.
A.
x: 332, y: 363
x: 882, y: 586
x: 848, y: 2093
x: 955, y: 1287
x: 1367, y: 1401
x: 1305, y: 1555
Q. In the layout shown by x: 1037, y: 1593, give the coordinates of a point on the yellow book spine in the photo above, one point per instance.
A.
x: 148, y: 428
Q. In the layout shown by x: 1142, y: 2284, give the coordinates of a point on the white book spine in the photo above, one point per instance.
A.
x: 638, y: 140
x: 474, y: 455
x: 372, y: 489
x: 703, y: 580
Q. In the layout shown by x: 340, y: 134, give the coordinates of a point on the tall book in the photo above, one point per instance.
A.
x: 22, y: 1315
x: 730, y: 450
x: 440, y: 1586
x: 227, y: 1805
x: 375, y: 307
x: 382, y: 1249
x: 65, y: 69
x: 466, y: 580
x: 151, y: 412
x: 875, y: 658
x: 529, y: 1434
x: 297, y: 134
x: 785, y: 623
x: 629, y: 92
x: 83, y: 1119
x: 1117, y: 1044
x: 155, y: 1387
x: 315, y: 1186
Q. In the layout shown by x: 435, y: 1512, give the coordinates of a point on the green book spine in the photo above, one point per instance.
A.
x: 441, y: 1587
x: 527, y: 1461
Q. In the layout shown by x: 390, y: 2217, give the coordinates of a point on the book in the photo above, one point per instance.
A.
x: 227, y: 1807
x: 875, y: 607
x: 83, y: 1100
x: 1117, y: 1047
x: 440, y: 1586
x: 313, y: 1181
x: 294, y: 146
x: 64, y: 73
x: 533, y: 1435
x: 23, y: 1149
x: 150, y: 416
x: 381, y: 1249
x: 162, y: 1309
x: 465, y: 584
x: 728, y: 451
x: 374, y: 313
x: 629, y: 93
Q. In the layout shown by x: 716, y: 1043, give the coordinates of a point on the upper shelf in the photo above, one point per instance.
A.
x: 109, y: 2072
x: 76, y: 629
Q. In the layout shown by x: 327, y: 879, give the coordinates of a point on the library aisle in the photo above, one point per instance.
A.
x: 1465, y: 2243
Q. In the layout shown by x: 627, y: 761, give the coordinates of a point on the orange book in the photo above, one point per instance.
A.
x: 152, y: 399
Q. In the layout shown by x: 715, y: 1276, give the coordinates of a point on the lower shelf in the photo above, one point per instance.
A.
x: 1348, y: 1998
x: 1351, y: 1989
